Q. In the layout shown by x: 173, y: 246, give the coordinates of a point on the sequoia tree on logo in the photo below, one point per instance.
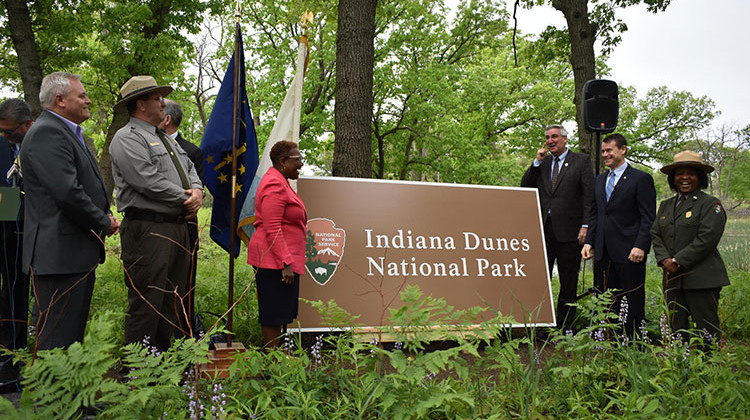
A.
x: 324, y: 249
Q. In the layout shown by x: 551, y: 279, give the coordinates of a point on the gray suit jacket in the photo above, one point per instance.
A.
x: 66, y: 203
x: 569, y: 203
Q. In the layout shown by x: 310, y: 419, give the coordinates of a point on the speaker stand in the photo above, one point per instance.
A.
x: 598, y: 151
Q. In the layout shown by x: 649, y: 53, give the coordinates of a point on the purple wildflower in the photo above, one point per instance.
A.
x: 624, y: 310
x: 317, y: 349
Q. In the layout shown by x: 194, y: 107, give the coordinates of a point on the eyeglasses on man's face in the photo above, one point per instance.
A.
x: 7, y: 133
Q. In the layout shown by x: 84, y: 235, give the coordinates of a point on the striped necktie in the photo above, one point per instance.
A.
x: 555, y: 171
x: 610, y: 184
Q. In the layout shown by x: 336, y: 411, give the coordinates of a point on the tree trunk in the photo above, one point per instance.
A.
x: 352, y: 153
x: 22, y: 34
x: 582, y: 36
x: 152, y: 28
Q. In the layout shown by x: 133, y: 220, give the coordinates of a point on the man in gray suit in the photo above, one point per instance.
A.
x: 67, y: 212
x: 565, y: 181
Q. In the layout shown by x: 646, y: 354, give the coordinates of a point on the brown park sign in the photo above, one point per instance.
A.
x: 471, y: 245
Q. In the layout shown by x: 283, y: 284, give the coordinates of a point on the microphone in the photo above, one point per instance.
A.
x: 14, y: 174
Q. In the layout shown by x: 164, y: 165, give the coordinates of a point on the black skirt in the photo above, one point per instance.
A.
x: 278, y: 303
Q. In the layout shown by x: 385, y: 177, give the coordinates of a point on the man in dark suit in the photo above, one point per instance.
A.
x: 15, y: 121
x: 66, y: 215
x: 620, y: 231
x: 170, y: 124
x: 565, y: 181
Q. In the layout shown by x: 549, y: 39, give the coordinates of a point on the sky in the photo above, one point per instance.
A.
x: 699, y: 46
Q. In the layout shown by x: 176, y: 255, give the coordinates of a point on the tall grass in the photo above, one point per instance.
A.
x: 735, y: 245
x: 592, y: 374
x: 110, y: 292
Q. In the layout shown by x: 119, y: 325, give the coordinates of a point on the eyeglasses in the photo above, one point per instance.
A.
x: 298, y: 157
x: 156, y: 98
x: 8, y: 133
x: 553, y: 136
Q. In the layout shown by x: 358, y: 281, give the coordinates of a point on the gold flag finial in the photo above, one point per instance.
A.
x: 307, y: 18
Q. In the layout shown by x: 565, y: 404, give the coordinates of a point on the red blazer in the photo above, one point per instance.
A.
x: 280, y: 225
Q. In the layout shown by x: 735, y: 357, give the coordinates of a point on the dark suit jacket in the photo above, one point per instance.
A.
x: 66, y: 203
x: 195, y: 154
x: 690, y: 234
x: 6, y: 160
x: 625, y: 221
x: 569, y: 203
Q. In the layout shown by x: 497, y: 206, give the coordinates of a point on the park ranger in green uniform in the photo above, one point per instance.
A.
x: 687, y: 229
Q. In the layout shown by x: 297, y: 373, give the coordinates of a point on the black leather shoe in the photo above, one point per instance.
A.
x: 9, y: 387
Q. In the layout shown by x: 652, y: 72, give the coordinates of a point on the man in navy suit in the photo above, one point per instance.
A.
x: 66, y: 212
x: 15, y: 121
x: 619, y: 231
x: 565, y: 181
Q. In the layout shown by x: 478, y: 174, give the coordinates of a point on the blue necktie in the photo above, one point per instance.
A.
x: 610, y: 184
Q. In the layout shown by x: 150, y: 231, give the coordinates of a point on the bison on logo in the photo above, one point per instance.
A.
x: 324, y: 249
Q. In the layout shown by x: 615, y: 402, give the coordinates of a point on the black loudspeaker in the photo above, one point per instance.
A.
x: 601, y: 105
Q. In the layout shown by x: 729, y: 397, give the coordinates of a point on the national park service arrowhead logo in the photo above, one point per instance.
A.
x: 324, y: 249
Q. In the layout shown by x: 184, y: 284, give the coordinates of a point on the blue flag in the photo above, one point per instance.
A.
x: 217, y: 152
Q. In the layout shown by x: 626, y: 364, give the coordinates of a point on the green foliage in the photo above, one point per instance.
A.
x: 333, y: 315
x: 595, y: 373
x: 659, y: 125
x: 450, y: 105
x: 419, y: 315
x: 450, y: 102
x: 739, y: 188
x: 473, y: 376
x: 154, y: 381
x: 601, y: 14
x: 61, y: 383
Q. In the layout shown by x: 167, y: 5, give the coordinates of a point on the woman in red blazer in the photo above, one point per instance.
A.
x: 277, y: 248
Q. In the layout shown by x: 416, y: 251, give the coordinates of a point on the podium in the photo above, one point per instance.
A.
x: 11, y: 205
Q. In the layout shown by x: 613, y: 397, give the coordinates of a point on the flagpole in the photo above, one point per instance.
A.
x: 233, y: 201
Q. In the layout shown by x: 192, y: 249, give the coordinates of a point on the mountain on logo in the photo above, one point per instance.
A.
x: 327, y: 255
x: 328, y: 251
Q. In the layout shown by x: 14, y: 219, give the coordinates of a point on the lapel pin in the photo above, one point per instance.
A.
x: 688, y: 214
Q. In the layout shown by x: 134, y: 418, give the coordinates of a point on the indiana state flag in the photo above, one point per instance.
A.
x: 217, y: 152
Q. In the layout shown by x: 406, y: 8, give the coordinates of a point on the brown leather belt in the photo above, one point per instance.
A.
x: 150, y: 216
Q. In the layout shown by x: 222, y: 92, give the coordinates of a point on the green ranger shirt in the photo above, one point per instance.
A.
x: 144, y: 172
x: 690, y: 233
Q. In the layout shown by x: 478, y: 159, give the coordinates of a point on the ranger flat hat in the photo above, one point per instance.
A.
x: 687, y: 158
x: 139, y: 85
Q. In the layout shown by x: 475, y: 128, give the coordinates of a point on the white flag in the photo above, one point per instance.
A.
x: 286, y: 127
